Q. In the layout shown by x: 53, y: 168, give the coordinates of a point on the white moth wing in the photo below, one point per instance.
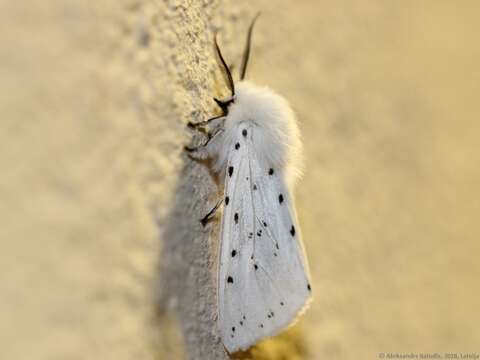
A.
x: 263, y: 281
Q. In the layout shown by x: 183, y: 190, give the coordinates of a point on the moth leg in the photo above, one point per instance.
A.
x: 211, y: 213
x: 203, y: 123
x: 211, y: 137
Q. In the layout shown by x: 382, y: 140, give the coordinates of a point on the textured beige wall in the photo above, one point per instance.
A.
x: 102, y: 256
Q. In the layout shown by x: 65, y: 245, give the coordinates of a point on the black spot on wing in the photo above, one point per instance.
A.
x: 227, y: 200
x: 230, y: 171
x: 292, y: 230
x: 271, y: 171
x: 234, y: 252
x: 237, y: 146
x: 255, y: 266
x: 280, y: 198
x: 235, y: 217
x: 230, y: 280
x: 244, y: 132
x: 309, y: 287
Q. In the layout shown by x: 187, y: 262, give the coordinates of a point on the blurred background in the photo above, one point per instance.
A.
x: 101, y: 253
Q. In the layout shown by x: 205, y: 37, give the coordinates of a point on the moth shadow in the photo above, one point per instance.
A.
x: 185, y: 280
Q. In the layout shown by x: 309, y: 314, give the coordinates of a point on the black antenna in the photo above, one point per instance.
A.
x: 246, y: 52
x: 231, y: 85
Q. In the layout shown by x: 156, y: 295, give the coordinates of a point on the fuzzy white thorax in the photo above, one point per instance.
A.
x: 276, y: 136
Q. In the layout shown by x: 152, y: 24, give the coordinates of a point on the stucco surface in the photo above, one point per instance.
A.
x: 102, y: 253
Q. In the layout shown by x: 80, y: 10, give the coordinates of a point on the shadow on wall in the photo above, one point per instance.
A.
x: 186, y: 281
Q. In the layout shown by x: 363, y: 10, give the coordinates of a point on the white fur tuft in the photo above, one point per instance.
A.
x: 276, y: 137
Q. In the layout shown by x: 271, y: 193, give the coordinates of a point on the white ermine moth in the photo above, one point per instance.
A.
x: 263, y: 277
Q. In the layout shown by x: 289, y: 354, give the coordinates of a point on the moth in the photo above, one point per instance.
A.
x: 263, y: 278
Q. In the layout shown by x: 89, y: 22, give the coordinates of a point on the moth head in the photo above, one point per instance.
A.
x: 225, y: 103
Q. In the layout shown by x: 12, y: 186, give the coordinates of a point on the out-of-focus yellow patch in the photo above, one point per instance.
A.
x: 290, y: 345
